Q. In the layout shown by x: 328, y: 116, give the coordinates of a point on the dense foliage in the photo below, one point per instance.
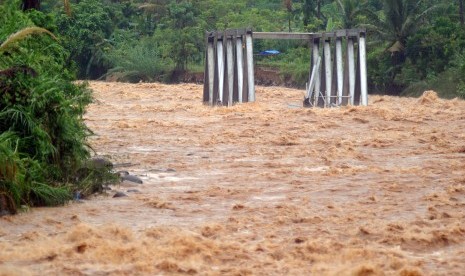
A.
x: 413, y: 45
x: 42, y: 134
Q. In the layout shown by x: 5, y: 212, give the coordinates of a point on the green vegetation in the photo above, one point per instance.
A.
x: 140, y: 60
x: 42, y: 134
x: 413, y: 45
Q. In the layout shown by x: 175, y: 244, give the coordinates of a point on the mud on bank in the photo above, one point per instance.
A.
x: 265, y: 188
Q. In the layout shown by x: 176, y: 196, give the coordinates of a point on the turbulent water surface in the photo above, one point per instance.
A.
x: 265, y: 188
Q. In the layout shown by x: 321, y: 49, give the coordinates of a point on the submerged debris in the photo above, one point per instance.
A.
x: 119, y: 194
x: 131, y: 178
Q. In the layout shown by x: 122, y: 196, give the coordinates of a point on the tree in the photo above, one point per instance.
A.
x: 401, y: 20
x: 85, y: 35
x: 153, y: 13
x: 30, y: 4
x: 183, y: 33
x: 35, y: 5
x: 308, y: 8
x: 461, y: 12
x: 288, y: 5
x: 349, y: 9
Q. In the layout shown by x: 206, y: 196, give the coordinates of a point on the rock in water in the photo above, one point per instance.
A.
x: 7, y: 205
x: 122, y: 173
x: 98, y: 163
x: 99, y: 167
x: 120, y: 194
x: 132, y: 178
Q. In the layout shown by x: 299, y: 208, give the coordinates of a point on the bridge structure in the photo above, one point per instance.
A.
x: 337, y: 73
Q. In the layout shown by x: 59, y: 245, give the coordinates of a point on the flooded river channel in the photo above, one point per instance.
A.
x: 265, y: 188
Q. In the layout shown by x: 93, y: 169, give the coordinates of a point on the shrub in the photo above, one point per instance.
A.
x: 138, y: 60
x: 42, y: 133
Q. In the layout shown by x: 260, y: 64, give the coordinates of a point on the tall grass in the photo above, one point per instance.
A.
x: 19, y: 178
x: 447, y: 84
x: 139, y: 60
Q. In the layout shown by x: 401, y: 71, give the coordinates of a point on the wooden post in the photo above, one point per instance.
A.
x: 220, y: 62
x: 240, y: 67
x: 351, y: 63
x: 363, y: 70
x: 340, y: 70
x: 250, y: 66
x: 328, y: 71
x: 230, y: 68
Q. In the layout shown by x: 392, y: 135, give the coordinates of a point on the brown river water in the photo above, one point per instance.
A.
x: 265, y: 188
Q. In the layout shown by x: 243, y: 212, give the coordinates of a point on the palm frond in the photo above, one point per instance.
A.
x: 19, y: 35
x: 8, y: 157
x: 18, y: 118
x: 67, y: 6
x: 149, y: 7
x: 396, y: 47
x: 10, y: 171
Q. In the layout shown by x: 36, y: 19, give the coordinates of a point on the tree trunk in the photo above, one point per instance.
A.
x: 318, y: 9
x: 462, y: 20
x: 30, y: 4
x: 308, y: 9
x: 288, y: 5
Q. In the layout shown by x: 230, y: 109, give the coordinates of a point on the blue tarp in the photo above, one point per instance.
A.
x: 269, y: 53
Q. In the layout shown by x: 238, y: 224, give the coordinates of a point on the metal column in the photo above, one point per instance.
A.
x: 363, y: 70
x: 240, y: 67
x: 220, y: 62
x: 351, y: 71
x: 230, y: 68
x: 211, y: 67
x: 339, y: 69
x: 328, y: 71
x: 250, y: 66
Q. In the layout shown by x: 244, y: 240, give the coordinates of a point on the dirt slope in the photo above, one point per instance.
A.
x: 265, y: 188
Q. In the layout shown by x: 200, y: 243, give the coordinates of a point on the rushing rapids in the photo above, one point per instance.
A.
x: 260, y: 188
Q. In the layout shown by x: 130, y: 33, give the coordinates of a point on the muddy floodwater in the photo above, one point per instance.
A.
x: 265, y: 188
